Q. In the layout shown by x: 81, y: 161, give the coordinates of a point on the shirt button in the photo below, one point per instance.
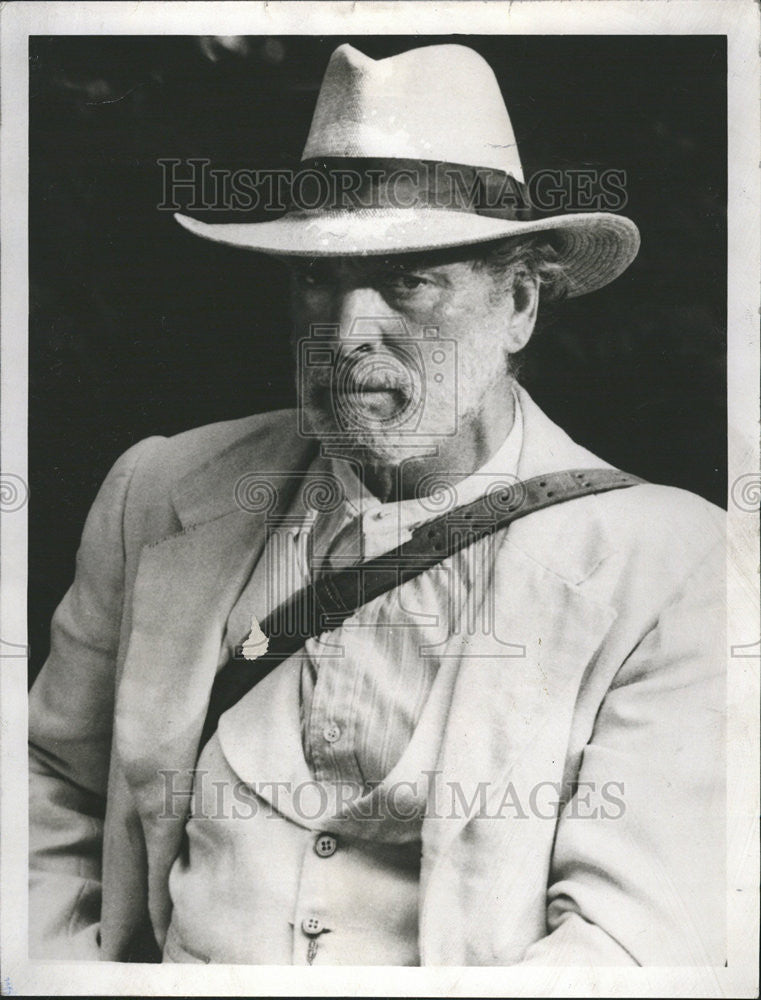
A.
x: 312, y: 926
x: 332, y: 732
x: 325, y: 846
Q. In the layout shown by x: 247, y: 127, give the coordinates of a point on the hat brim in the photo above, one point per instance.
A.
x: 594, y: 247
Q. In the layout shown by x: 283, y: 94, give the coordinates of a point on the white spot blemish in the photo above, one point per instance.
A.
x: 257, y: 642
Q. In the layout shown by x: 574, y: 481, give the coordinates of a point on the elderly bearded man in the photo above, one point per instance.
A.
x: 510, y: 755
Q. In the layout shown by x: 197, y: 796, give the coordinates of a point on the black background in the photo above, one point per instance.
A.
x: 139, y: 328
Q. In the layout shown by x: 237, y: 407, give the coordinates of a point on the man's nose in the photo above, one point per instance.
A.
x: 363, y: 318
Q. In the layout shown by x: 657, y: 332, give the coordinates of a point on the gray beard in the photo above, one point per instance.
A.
x: 372, y: 445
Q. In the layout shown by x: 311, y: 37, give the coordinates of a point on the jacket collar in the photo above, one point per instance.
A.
x: 552, y: 537
x: 257, y: 473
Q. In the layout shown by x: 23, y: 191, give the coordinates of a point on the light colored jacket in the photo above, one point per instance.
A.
x: 614, y: 604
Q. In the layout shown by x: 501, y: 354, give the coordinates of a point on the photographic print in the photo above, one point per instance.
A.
x: 380, y: 482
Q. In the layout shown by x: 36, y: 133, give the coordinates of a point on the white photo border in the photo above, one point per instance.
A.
x: 738, y: 20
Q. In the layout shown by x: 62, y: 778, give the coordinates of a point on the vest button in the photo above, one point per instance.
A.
x: 331, y: 733
x: 312, y: 926
x: 325, y: 846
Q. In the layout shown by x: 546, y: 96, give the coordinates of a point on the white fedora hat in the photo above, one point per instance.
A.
x: 413, y: 153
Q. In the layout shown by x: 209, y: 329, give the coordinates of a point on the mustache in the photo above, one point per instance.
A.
x: 376, y: 373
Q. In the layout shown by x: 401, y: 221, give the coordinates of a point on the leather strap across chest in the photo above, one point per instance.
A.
x: 325, y: 604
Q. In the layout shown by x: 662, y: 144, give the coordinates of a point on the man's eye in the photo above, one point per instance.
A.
x: 405, y: 282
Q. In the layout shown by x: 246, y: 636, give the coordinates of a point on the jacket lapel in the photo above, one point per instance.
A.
x: 185, y: 588
x: 513, y: 703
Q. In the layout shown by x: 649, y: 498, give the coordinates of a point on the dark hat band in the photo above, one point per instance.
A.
x: 344, y: 183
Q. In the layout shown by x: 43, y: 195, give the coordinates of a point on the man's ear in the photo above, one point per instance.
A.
x: 525, y: 304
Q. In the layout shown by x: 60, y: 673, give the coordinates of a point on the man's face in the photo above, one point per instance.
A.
x: 398, y: 352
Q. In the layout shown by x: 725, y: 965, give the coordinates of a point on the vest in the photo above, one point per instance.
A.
x: 279, y: 869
